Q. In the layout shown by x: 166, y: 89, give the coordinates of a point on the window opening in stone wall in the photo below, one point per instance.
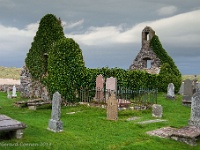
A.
x: 147, y: 36
x: 149, y: 64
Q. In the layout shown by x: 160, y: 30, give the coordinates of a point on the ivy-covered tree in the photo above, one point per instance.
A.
x: 169, y: 72
x: 66, y: 68
x: 49, y: 31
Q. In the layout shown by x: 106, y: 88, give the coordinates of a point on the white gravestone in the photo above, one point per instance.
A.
x: 14, y: 92
x: 170, y: 91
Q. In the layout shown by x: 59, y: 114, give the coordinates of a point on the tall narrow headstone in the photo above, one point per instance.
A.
x: 8, y: 93
x: 112, y: 107
x: 111, y: 86
x: 181, y: 90
x: 99, y: 95
x: 195, y: 110
x: 170, y: 91
x: 54, y: 123
x: 187, y: 92
x: 14, y: 92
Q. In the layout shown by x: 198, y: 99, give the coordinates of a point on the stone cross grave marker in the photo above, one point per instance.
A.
x: 195, y: 110
x: 99, y: 88
x: 170, y: 91
x: 188, y: 91
x: 157, y: 111
x: 54, y: 123
x: 112, y: 107
x: 111, y: 86
x: 14, y: 92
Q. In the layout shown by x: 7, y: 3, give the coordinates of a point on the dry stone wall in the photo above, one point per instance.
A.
x: 32, y: 88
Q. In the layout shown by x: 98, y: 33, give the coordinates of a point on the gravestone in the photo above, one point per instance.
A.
x: 170, y: 91
x: 54, y: 123
x: 187, y: 92
x: 8, y: 93
x: 112, y: 107
x: 99, y: 95
x: 195, y: 110
x: 181, y: 90
x: 157, y: 111
x: 14, y: 92
x: 111, y: 86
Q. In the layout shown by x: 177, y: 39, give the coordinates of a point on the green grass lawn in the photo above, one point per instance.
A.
x: 89, y: 129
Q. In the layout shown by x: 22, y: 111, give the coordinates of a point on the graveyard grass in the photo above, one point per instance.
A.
x: 89, y: 129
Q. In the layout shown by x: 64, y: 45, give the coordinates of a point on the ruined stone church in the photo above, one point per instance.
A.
x: 146, y: 59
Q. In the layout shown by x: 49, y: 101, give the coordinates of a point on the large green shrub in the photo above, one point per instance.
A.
x: 66, y: 68
x: 49, y: 31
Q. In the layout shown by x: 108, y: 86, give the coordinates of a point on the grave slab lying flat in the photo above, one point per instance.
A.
x: 188, y: 134
x: 152, y: 121
x: 9, y: 124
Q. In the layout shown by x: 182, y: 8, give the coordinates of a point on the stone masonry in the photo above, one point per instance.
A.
x: 30, y: 88
x: 146, y: 54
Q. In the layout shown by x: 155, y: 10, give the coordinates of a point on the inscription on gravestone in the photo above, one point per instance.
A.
x: 195, y: 110
x: 54, y: 123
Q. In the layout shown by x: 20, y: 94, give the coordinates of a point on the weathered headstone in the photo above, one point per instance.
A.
x: 157, y: 111
x: 170, y: 91
x: 54, y: 123
x: 112, y: 107
x: 8, y: 93
x: 111, y: 86
x: 187, y: 92
x: 99, y: 88
x: 195, y: 110
x: 181, y: 90
x: 14, y: 92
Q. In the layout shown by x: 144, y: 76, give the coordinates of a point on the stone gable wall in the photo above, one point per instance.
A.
x: 146, y: 53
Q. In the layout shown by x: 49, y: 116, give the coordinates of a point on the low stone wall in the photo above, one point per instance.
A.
x: 5, y: 86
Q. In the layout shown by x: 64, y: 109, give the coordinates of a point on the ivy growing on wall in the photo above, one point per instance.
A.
x: 66, y: 68
x: 169, y: 72
x: 49, y: 31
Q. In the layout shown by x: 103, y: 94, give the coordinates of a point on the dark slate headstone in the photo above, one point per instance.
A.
x: 54, y: 123
x: 187, y: 92
x: 195, y: 110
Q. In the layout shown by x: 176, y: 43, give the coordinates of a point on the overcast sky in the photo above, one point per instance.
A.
x: 108, y: 32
